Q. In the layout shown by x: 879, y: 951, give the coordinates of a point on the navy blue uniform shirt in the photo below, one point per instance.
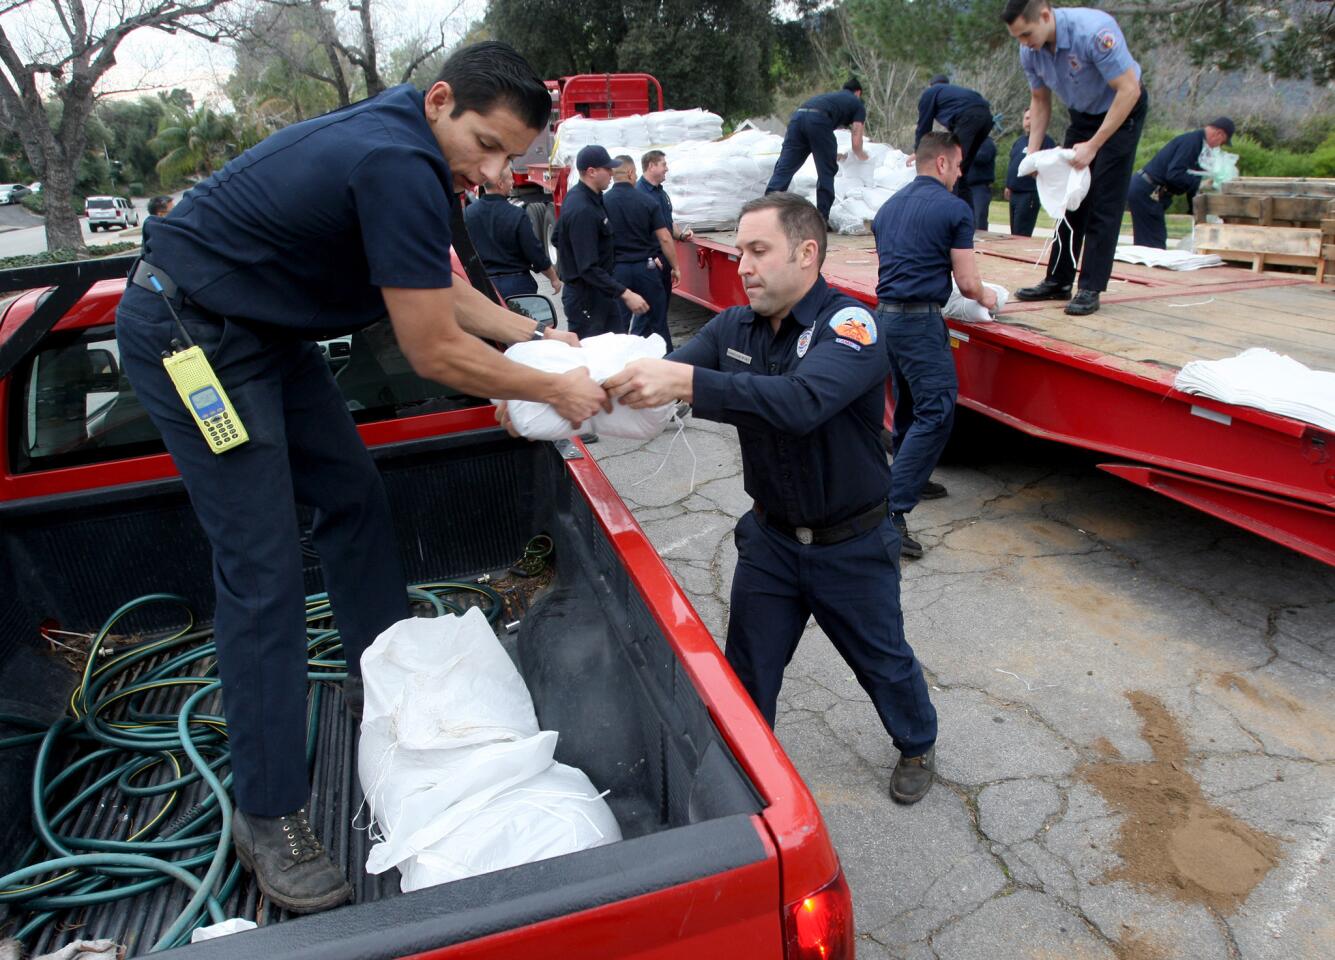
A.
x: 1088, y: 51
x: 1170, y: 165
x: 303, y: 229
x: 984, y: 169
x: 915, y: 231
x: 504, y: 237
x: 843, y: 107
x: 584, y: 242
x: 807, y: 401
x: 634, y: 219
x: 661, y: 198
x: 944, y: 102
x: 1014, y: 181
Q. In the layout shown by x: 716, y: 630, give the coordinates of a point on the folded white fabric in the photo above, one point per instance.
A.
x: 1061, y: 186
x: 1266, y: 380
x: 960, y: 307
x: 1167, y: 259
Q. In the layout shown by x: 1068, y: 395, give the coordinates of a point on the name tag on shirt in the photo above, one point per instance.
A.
x: 738, y: 355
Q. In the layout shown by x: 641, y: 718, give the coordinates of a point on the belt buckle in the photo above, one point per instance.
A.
x: 804, y: 536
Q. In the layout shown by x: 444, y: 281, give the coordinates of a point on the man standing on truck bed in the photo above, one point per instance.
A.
x: 801, y: 374
x: 811, y: 133
x: 1082, y: 55
x: 924, y: 233
x: 965, y: 113
x: 322, y: 227
x: 504, y: 238
x: 641, y: 241
x: 585, y: 251
x: 1169, y: 174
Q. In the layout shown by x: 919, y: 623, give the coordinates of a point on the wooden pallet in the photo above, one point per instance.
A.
x: 1318, y: 187
x: 1264, y: 211
x: 1262, y: 246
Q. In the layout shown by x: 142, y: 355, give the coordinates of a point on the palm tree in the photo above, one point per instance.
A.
x: 193, y: 143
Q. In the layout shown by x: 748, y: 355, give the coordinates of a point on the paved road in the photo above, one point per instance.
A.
x: 31, y: 237
x: 1137, y: 753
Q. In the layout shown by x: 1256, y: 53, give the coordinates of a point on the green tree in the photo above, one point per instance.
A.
x: 193, y: 144
x: 561, y: 37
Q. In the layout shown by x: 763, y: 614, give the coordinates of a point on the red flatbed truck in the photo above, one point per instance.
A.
x: 1105, y: 382
x: 724, y: 855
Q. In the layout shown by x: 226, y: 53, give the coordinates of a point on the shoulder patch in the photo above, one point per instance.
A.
x: 856, y: 324
x: 1107, y: 39
x: 803, y: 342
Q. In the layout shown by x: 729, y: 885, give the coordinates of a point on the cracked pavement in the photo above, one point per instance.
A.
x: 1050, y: 590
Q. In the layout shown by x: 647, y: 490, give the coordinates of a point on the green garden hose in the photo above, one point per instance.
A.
x: 121, y: 739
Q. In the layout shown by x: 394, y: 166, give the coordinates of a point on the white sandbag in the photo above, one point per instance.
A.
x: 531, y: 419
x: 1061, y: 187
x: 223, y: 928
x: 960, y: 307
x: 555, y: 812
x: 1266, y: 380
x: 607, y: 355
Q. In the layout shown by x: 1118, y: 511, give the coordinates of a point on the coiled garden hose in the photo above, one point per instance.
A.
x: 123, y: 734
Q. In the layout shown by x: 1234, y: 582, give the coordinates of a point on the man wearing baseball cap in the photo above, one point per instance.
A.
x: 585, y: 255
x: 1167, y: 175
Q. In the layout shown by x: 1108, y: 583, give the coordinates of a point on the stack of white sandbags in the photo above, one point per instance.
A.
x: 709, y: 182
x: 456, y: 773
x: 1267, y: 380
x: 634, y: 134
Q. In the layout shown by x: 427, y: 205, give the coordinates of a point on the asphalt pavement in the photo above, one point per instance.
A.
x: 22, y: 232
x: 1137, y: 747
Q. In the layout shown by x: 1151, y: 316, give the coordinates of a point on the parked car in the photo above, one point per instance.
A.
x: 106, y: 212
x: 13, y: 192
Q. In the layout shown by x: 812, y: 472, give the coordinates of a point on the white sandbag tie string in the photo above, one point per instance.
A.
x: 681, y: 432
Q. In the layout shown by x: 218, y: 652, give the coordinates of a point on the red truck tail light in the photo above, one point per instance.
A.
x: 820, y: 925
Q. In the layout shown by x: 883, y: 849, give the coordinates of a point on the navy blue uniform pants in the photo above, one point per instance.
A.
x: 1092, y: 227
x: 852, y: 589
x: 971, y: 128
x: 1024, y: 213
x: 304, y: 448
x: 662, y: 331
x: 647, y: 281
x: 925, y: 387
x: 810, y: 134
x: 980, y: 198
x: 514, y: 284
x: 589, y: 312
x: 1147, y: 214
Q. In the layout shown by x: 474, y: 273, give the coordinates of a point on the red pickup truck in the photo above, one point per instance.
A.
x: 724, y: 851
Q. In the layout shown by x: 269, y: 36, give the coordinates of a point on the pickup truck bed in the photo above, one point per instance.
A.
x: 599, y: 667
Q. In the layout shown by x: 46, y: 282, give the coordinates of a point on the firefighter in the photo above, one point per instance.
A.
x: 505, y: 240
x: 963, y: 112
x: 640, y: 241
x: 1169, y: 174
x: 811, y: 133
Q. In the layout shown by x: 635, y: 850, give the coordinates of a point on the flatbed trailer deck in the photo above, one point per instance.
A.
x: 1105, y: 382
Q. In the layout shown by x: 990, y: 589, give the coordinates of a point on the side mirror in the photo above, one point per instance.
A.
x: 535, y: 306
x: 104, y: 372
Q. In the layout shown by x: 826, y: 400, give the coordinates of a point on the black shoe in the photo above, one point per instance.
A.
x: 913, y: 777
x: 908, y: 547
x: 289, y: 862
x: 352, y: 697
x: 933, y: 491
x: 1047, y: 290
x: 1085, y: 303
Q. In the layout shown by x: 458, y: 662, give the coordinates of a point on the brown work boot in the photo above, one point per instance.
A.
x: 913, y: 777
x: 289, y: 862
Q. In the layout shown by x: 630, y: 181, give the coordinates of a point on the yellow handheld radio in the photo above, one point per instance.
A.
x: 199, y: 387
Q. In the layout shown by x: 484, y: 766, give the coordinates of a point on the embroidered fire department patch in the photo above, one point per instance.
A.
x: 856, y: 324
x: 1107, y: 40
x: 803, y: 342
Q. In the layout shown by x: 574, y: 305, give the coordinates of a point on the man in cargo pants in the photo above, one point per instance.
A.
x: 326, y: 225
x: 801, y: 374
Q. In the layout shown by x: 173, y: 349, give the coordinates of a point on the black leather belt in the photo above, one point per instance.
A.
x: 824, y: 536
x: 813, y: 110
x: 886, y: 306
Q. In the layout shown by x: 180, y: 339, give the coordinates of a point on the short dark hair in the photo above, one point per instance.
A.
x: 157, y: 205
x: 797, y: 215
x: 934, y: 144
x: 625, y: 160
x: 853, y: 85
x: 1029, y: 9
x: 484, y: 75
x: 653, y: 156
